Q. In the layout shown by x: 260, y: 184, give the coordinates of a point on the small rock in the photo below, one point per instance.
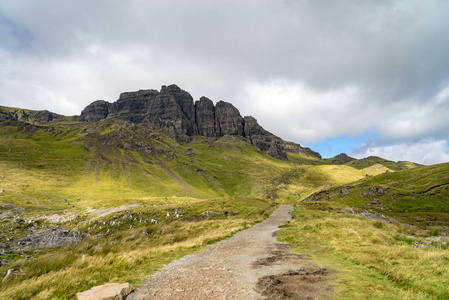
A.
x: 349, y: 210
x: 10, y: 271
x: 189, y: 152
x: 113, y: 291
x: 7, y: 206
x: 20, y: 220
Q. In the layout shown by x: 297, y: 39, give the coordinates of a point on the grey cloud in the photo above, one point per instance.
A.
x: 393, y: 54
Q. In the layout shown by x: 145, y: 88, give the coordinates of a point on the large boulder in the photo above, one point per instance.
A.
x: 109, y: 291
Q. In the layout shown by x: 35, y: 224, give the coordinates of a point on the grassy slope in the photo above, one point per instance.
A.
x: 411, y: 195
x: 360, y: 164
x: 375, y: 259
x: 47, y: 169
x: 372, y: 160
x: 50, y: 164
x: 302, y: 181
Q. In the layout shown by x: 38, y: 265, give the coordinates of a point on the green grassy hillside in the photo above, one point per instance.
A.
x: 118, y: 160
x: 405, y: 258
x: 109, y: 180
x: 373, y: 160
x: 419, y: 194
x: 72, y: 174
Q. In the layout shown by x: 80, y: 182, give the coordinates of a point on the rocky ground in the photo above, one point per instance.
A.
x: 250, y: 265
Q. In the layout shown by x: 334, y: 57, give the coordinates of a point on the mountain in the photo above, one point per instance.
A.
x: 173, y: 112
x: 129, y: 186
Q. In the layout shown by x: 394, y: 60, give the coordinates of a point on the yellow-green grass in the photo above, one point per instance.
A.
x: 302, y: 181
x: 130, y: 254
x: 373, y: 260
x: 52, y: 162
x: 407, y: 194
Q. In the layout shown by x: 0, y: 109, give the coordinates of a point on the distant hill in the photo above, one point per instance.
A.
x: 404, y: 194
x: 372, y: 160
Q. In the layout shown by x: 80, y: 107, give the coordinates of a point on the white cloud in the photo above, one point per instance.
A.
x: 307, y: 70
x: 293, y: 110
x: 425, y: 152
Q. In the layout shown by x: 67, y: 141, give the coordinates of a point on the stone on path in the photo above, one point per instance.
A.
x: 109, y: 291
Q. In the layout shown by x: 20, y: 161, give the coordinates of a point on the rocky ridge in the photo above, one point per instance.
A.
x: 33, y: 117
x: 173, y: 112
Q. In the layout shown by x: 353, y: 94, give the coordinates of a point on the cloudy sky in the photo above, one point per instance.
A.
x: 361, y: 77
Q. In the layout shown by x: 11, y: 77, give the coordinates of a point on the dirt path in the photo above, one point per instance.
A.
x: 250, y: 265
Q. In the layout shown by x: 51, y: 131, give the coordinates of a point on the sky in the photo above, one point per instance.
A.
x: 360, y: 77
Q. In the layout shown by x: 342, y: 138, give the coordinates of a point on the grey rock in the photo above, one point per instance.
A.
x: 20, y: 220
x: 173, y: 112
x: 276, y: 151
x: 228, y: 120
x: 50, y: 238
x: 350, y: 210
x: 11, y: 213
x: 30, y: 116
x: 373, y: 217
x: 8, y: 274
x: 7, y: 206
x: 132, y: 106
x: 109, y: 291
x: 95, y: 111
x: 205, y: 117
x: 189, y: 152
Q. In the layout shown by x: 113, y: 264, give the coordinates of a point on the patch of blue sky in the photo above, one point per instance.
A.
x: 333, y: 146
x: 15, y: 37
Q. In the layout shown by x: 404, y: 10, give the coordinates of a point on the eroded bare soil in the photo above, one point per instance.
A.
x: 250, y: 265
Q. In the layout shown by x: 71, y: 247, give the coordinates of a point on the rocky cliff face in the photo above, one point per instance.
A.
x: 205, y: 117
x: 173, y: 112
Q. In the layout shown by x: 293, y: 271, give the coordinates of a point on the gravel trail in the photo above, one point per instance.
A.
x: 249, y: 265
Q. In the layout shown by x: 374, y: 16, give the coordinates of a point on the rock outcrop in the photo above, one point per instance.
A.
x: 173, y: 112
x: 276, y: 151
x: 228, y: 120
x: 32, y: 117
x: 50, y: 238
x: 342, y: 158
x: 205, y: 117
x: 96, y: 111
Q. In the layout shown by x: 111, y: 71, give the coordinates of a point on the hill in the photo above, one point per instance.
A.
x: 417, y: 196
x: 130, y: 185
